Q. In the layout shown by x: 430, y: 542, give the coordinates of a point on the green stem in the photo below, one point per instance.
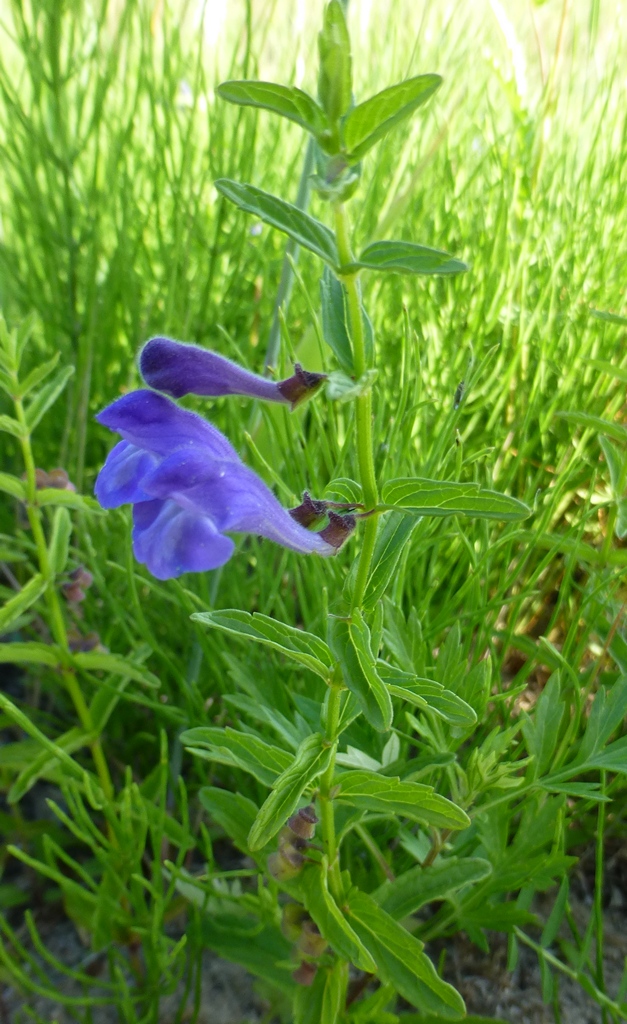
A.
x: 363, y: 403
x: 57, y: 621
x: 327, y: 817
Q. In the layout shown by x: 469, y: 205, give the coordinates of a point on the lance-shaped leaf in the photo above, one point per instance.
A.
x: 287, y: 101
x: 610, y: 318
x: 370, y: 791
x: 335, y: 74
x: 329, y: 918
x: 70, y: 499
x: 238, y: 750
x: 305, y: 648
x: 401, y: 961
x: 406, y: 258
x: 22, y: 601
x: 596, y: 423
x: 312, y: 758
x: 428, y: 695
x: 305, y: 230
x: 47, y: 396
x: 232, y: 811
x: 11, y: 485
x: 117, y: 666
x: 45, y: 763
x: 418, y: 886
x: 350, y: 643
x: 369, y: 121
x: 448, y: 497
x: 30, y: 653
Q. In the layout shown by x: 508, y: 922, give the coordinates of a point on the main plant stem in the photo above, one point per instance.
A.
x: 363, y: 403
x: 57, y: 621
x: 327, y: 817
x: 370, y: 497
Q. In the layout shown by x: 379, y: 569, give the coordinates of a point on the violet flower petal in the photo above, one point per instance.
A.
x: 182, y: 369
x: 233, y: 496
x: 153, y: 422
x: 119, y: 480
x: 170, y: 540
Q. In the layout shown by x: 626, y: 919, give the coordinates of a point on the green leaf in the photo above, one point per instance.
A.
x: 394, y: 531
x: 620, y: 372
x: 335, y: 75
x: 47, y: 396
x: 401, y: 961
x: 406, y: 258
x: 616, y: 463
x: 11, y: 485
x: 259, y: 952
x: 37, y: 375
x: 305, y: 230
x: 238, y: 750
x: 333, y: 317
x: 59, y: 547
x: 71, y: 767
x: 30, y: 653
x: 612, y: 759
x: 369, y: 121
x: 10, y: 426
x: 287, y: 101
x: 364, y: 682
x: 304, y: 648
x: 418, y: 886
x: 22, y: 601
x: 45, y: 762
x: 341, y: 388
x: 233, y: 812
x: 428, y: 695
x: 329, y: 918
x: 447, y: 497
x: 311, y: 759
x: 542, y: 731
x: 370, y: 791
x: 68, y: 499
x: 94, y: 661
x: 596, y: 423
x: 610, y: 318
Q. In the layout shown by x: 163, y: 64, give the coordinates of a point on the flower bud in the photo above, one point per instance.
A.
x: 339, y: 529
x: 285, y: 864
x: 292, y: 921
x: 73, y: 593
x: 304, y: 822
x: 310, y: 941
x: 305, y: 974
x: 78, y: 643
x: 301, y: 386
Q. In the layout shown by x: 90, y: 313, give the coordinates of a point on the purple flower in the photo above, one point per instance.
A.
x: 180, y: 369
x: 189, y: 488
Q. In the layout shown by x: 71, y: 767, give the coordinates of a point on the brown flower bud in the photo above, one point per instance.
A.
x: 285, y: 864
x: 339, y: 529
x: 73, y: 593
x: 292, y: 921
x: 82, y: 576
x: 58, y: 478
x: 301, y: 386
x: 310, y: 941
x: 310, y: 511
x: 304, y: 822
x: 305, y: 974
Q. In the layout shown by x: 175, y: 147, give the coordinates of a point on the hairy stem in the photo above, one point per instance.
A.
x: 363, y: 403
x: 327, y: 817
